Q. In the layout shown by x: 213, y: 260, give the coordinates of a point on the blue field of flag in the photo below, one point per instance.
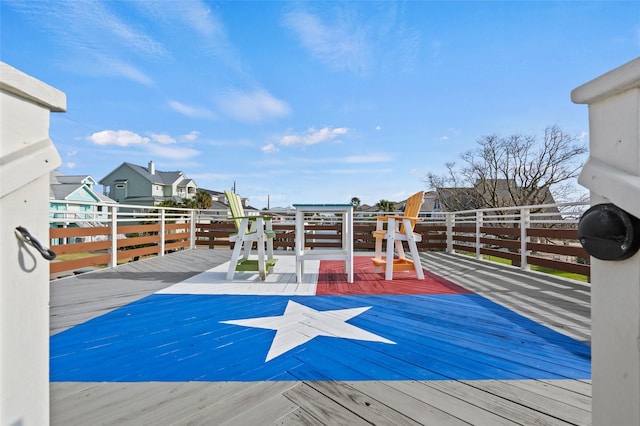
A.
x: 175, y: 337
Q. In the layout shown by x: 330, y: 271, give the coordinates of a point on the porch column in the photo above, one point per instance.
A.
x: 27, y: 156
x: 612, y: 174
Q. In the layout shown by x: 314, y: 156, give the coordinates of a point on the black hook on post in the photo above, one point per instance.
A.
x: 25, y: 236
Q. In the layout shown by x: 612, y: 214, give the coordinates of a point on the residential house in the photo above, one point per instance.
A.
x: 219, y: 202
x: 73, y: 201
x: 146, y: 186
x: 426, y: 210
x: 490, y: 193
x: 79, y: 189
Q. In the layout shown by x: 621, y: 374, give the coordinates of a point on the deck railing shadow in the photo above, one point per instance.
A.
x: 536, y: 294
x: 580, y: 349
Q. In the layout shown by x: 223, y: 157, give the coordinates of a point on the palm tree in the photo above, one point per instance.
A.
x: 386, y: 205
x: 203, y: 200
x: 167, y: 203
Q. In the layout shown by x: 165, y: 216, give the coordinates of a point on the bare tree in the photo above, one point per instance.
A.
x: 511, y: 171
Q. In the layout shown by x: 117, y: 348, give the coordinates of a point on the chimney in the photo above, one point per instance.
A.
x: 152, y: 168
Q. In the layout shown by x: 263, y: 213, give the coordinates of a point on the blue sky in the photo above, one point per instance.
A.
x: 309, y: 101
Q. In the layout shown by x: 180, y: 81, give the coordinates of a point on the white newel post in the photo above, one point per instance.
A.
x: 612, y: 173
x: 27, y: 155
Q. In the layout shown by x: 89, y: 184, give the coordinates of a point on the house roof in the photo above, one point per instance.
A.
x: 500, y: 190
x: 217, y: 205
x: 163, y: 178
x: 458, y: 199
x: 158, y: 177
x: 74, y: 179
x: 60, y: 191
x: 63, y: 186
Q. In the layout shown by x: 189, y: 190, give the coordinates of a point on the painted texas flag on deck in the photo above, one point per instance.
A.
x: 401, y: 330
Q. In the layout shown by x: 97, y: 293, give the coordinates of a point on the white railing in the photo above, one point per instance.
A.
x: 560, y: 216
x: 495, y: 232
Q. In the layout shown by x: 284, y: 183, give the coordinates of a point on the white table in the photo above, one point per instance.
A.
x: 343, y: 253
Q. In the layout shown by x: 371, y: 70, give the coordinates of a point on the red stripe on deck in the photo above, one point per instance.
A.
x: 333, y: 281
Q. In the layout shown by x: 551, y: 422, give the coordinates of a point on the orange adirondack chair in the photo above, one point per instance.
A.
x: 399, y: 229
x: 250, y: 229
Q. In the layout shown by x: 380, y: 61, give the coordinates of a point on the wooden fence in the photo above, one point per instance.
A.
x: 534, y: 235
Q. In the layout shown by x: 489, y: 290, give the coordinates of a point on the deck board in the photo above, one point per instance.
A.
x: 316, y: 408
x: 561, y: 305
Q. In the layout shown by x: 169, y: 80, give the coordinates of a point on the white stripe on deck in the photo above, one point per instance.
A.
x: 282, y: 281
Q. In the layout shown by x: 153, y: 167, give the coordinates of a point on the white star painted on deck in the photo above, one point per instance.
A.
x: 299, y: 324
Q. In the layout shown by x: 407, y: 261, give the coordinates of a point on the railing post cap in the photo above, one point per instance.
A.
x: 611, y: 83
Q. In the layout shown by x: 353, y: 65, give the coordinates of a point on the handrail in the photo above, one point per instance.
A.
x: 528, y: 235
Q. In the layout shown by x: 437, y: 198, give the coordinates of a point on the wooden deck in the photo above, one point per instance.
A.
x: 551, y: 304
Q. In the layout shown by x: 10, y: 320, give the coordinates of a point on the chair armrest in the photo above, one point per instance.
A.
x: 384, y: 218
x: 251, y: 217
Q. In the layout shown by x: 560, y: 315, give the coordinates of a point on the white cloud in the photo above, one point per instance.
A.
x: 453, y: 132
x: 158, y: 145
x: 200, y: 18
x: 163, y: 139
x: 70, y: 165
x: 117, y: 137
x: 99, y: 64
x: 97, y: 37
x: 191, y: 111
x: 358, y: 172
x: 352, y: 159
x: 269, y: 148
x: 175, y: 153
x: 253, y: 107
x: 372, y: 158
x: 125, y: 70
x: 378, y: 128
x: 87, y: 23
x: 338, y: 44
x: 313, y: 136
x: 194, y: 16
x: 192, y: 136
x: 582, y: 136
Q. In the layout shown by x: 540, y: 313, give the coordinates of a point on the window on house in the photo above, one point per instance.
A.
x: 120, y: 185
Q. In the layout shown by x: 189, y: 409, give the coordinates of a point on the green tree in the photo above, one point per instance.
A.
x: 169, y: 202
x: 355, y: 201
x: 203, y: 200
x: 386, y: 205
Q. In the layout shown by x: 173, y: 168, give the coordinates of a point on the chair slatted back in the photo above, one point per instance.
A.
x: 235, y: 205
x: 412, y: 208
